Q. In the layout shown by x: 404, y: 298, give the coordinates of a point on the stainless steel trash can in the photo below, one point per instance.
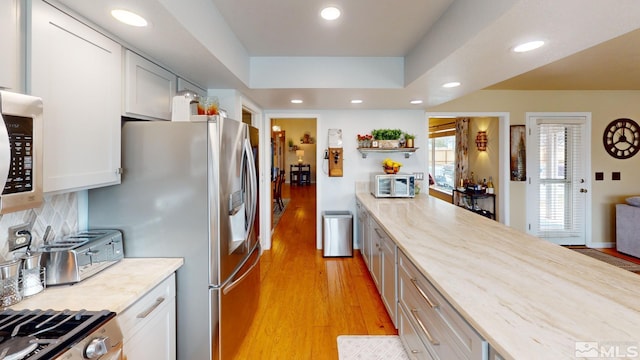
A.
x: 337, y: 233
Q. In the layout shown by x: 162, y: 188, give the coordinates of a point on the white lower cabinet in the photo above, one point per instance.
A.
x: 383, y: 267
x: 149, y: 325
x: 413, y: 345
x: 149, y: 88
x: 364, y: 238
x: 438, y: 326
x: 77, y: 72
x: 494, y: 355
x: 375, y: 267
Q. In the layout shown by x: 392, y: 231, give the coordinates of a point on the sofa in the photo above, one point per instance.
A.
x: 628, y: 227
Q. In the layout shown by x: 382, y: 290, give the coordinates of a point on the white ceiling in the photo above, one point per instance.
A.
x: 385, y: 53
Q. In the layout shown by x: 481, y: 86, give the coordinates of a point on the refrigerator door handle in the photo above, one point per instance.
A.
x: 253, y: 187
x: 232, y: 282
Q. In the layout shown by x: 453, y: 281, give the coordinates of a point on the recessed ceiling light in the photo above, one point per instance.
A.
x: 416, y: 102
x: 129, y: 18
x: 532, y: 45
x: 296, y: 101
x: 330, y: 13
x: 451, y: 84
x: 356, y: 101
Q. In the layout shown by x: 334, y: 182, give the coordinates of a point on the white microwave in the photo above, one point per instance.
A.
x: 393, y: 185
x: 20, y: 152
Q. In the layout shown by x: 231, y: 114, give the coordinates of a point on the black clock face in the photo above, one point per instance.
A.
x: 622, y: 138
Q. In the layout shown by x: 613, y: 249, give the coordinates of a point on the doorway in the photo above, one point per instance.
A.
x: 558, y: 177
x: 294, y: 156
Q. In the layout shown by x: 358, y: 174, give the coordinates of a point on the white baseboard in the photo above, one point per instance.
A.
x: 602, y: 245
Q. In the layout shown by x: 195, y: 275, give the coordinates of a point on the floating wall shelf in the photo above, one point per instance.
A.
x: 407, y: 151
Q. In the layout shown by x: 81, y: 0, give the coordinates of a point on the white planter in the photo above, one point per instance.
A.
x: 388, y: 144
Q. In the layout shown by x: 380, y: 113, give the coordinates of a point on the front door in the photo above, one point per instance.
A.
x: 558, y: 177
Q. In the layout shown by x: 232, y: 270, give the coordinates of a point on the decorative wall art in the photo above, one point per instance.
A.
x: 518, y: 158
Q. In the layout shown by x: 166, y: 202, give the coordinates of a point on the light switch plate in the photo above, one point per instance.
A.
x: 17, y: 241
x: 419, y: 175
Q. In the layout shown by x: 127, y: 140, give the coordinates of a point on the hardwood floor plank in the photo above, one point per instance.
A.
x: 306, y: 300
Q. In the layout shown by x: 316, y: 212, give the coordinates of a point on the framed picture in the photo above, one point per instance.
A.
x: 518, y: 158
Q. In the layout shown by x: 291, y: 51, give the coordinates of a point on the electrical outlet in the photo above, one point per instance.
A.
x: 18, y: 241
x: 419, y: 175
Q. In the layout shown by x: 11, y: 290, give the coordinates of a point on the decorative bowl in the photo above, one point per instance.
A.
x: 391, y: 170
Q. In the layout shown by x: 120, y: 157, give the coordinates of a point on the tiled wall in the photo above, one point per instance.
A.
x: 59, y: 211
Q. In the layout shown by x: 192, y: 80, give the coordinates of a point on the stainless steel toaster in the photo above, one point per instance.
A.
x: 79, y: 256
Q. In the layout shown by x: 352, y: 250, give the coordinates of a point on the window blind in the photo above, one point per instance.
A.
x: 561, y: 203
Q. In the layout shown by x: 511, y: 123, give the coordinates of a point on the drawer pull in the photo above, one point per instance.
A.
x: 146, y: 313
x: 432, y: 305
x: 415, y: 351
x: 433, y: 341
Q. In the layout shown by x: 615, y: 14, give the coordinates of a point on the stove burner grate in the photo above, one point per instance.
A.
x: 38, y: 334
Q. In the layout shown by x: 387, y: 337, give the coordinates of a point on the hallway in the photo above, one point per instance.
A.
x: 306, y: 300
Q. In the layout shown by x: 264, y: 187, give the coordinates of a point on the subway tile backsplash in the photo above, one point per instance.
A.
x: 59, y: 211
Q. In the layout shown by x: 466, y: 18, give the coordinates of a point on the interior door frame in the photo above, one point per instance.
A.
x: 531, y: 143
x: 266, y: 139
x: 504, y: 118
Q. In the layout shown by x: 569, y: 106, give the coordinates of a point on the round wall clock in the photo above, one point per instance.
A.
x: 622, y: 138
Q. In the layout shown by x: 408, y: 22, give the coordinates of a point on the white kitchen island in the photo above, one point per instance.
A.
x: 528, y: 298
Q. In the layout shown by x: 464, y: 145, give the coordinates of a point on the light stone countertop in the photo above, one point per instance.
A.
x: 529, y: 298
x: 114, y: 289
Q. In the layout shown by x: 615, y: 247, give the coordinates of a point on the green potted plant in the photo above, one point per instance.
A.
x: 290, y: 143
x: 387, y: 138
x: 409, y: 140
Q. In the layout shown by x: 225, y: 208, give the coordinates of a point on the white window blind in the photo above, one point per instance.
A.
x: 561, y: 166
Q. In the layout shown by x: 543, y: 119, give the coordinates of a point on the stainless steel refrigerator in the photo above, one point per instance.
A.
x: 189, y: 189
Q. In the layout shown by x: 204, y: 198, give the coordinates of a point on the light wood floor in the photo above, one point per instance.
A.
x: 306, y: 300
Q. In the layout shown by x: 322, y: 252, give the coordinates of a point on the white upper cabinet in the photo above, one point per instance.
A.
x: 149, y: 88
x: 77, y: 72
x: 10, y: 40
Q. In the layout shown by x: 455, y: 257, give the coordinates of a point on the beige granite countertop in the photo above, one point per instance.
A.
x: 530, y: 299
x: 114, y: 289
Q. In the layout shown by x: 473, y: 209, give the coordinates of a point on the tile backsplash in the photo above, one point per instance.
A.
x: 59, y: 211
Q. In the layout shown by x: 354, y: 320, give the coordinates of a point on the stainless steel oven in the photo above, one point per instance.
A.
x: 20, y: 152
x: 62, y: 335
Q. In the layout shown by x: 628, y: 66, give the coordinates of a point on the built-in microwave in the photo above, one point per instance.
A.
x: 20, y: 152
x: 393, y: 185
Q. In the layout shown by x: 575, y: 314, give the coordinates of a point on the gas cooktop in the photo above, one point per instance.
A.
x: 48, y: 334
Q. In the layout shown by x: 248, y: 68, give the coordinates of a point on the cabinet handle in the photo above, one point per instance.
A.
x: 432, y: 305
x: 146, y: 313
x: 414, y: 313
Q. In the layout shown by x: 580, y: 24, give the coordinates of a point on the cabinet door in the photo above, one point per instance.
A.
x: 149, y: 88
x: 157, y: 340
x: 77, y: 72
x: 363, y: 235
x: 149, y: 325
x: 9, y: 56
x: 376, y: 254
x: 389, y: 276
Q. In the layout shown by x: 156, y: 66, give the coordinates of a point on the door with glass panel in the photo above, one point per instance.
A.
x: 558, y: 177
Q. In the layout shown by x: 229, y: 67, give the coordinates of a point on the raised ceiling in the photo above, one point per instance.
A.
x: 385, y: 53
